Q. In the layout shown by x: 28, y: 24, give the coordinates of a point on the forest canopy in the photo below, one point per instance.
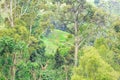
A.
x: 59, y: 40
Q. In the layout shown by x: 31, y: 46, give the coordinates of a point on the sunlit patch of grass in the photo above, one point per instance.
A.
x: 55, y: 39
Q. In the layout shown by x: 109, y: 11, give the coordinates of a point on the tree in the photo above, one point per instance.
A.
x: 64, y: 61
x: 9, y: 53
x: 93, y: 67
x: 116, y: 44
x: 73, y: 17
x: 76, y: 25
x: 81, y: 19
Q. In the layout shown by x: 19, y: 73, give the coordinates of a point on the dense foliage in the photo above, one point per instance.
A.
x: 59, y: 40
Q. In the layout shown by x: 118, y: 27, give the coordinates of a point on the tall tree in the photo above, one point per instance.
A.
x: 80, y: 18
x: 75, y: 13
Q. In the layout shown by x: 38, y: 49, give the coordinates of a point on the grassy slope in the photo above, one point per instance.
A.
x: 55, y: 39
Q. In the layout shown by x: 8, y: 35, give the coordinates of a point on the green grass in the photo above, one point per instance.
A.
x: 55, y: 39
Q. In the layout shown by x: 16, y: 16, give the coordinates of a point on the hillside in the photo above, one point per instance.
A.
x: 55, y: 39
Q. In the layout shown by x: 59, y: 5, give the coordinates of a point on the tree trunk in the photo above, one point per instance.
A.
x: 34, y: 75
x: 66, y: 72
x: 76, y: 54
x: 30, y: 30
x: 13, y: 68
x: 11, y: 13
x: 76, y: 39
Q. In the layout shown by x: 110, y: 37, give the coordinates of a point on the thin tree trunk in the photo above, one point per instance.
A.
x: 30, y: 30
x: 34, y: 75
x: 66, y: 72
x: 76, y: 54
x: 13, y: 68
x: 76, y: 39
x: 11, y: 13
